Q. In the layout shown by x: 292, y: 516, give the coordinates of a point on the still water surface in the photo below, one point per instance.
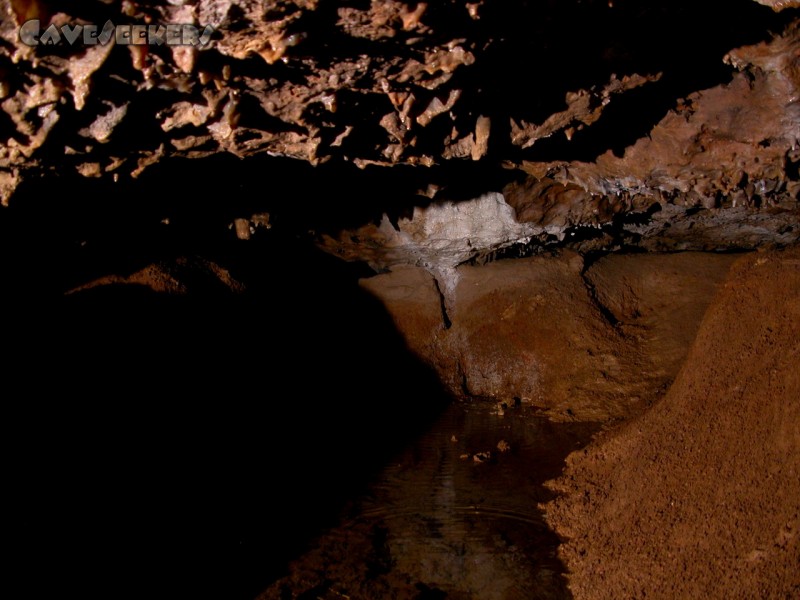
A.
x: 454, y: 515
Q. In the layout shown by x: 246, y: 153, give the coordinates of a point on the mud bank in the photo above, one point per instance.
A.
x: 699, y: 497
x: 580, y: 341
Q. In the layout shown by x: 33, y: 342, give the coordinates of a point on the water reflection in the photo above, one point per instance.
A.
x: 454, y: 515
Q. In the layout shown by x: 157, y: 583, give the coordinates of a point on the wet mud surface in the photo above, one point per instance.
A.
x: 453, y: 515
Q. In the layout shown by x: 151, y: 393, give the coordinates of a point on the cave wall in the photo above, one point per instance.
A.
x: 590, y: 342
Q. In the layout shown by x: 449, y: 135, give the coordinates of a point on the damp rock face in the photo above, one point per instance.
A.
x: 580, y: 342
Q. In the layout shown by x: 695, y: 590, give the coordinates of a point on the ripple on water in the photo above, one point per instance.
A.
x: 454, y: 515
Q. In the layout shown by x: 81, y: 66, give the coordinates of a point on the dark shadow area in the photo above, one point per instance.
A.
x: 71, y: 229
x: 185, y: 446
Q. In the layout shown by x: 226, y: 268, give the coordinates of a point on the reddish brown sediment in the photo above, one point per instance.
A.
x: 700, y: 495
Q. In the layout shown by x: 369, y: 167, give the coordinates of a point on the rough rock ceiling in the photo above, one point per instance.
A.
x: 601, y: 111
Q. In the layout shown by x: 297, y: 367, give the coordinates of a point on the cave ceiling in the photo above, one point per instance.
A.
x: 597, y: 113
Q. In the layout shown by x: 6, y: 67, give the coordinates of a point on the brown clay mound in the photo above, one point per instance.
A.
x: 700, y: 496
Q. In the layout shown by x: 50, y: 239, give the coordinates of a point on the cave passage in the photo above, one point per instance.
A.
x: 204, y: 443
